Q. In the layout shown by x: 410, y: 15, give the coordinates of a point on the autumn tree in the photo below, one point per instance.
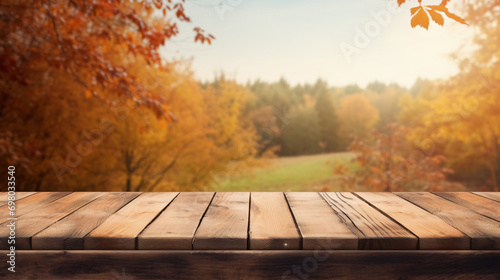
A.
x: 357, y: 116
x: 391, y: 163
x: 78, y: 40
x: 266, y: 122
x: 462, y: 114
x: 386, y: 99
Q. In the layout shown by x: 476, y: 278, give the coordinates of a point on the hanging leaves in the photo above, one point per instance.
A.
x: 81, y: 36
x: 421, y: 15
x: 436, y: 17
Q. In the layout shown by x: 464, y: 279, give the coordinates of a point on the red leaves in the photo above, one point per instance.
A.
x: 179, y: 13
x: 200, y: 36
x: 82, y: 38
x: 391, y: 163
x: 158, y: 3
x: 14, y: 152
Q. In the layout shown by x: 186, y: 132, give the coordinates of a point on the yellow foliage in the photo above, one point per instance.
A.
x: 357, y: 116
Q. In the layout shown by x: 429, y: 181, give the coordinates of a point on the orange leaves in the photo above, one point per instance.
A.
x: 421, y: 14
x: 84, y: 39
x: 419, y: 17
x: 436, y: 17
x: 444, y: 10
x: 88, y: 94
x: 200, y: 36
x: 391, y: 163
x: 179, y: 13
x: 158, y: 3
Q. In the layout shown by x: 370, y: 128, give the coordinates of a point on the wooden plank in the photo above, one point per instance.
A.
x: 319, y: 226
x: 68, y: 233
x: 120, y: 230
x: 249, y: 264
x: 485, y: 232
x: 225, y: 224
x: 432, y: 232
x: 174, y: 229
x: 479, y: 204
x: 30, y: 203
x: 491, y: 195
x: 35, y: 221
x: 4, y: 196
x: 272, y: 226
x: 379, y: 232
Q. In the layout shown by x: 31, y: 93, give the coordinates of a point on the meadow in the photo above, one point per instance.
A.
x: 298, y: 173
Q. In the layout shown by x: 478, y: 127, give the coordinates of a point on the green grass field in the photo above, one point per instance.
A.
x: 301, y: 173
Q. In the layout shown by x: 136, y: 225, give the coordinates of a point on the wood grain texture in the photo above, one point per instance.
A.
x: 37, y: 220
x: 4, y: 196
x: 485, y: 232
x: 479, y: 204
x: 225, y: 224
x: 379, y: 232
x: 68, y: 233
x: 258, y: 221
x: 120, y: 230
x: 31, y: 203
x: 272, y: 226
x: 432, y: 232
x: 174, y: 229
x: 491, y: 195
x: 286, y: 265
x: 318, y: 224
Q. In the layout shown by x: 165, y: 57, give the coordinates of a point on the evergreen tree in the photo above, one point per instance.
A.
x: 301, y: 135
x: 328, y: 122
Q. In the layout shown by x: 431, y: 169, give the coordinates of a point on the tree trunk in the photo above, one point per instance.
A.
x: 129, y: 183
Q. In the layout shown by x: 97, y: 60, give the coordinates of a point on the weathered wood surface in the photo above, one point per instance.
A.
x: 432, y: 232
x: 271, y: 224
x: 318, y: 224
x: 254, y: 221
x: 378, y: 231
x: 175, y: 227
x: 251, y: 264
x: 4, y: 197
x: 485, y: 232
x: 120, y: 230
x: 479, y: 204
x: 491, y: 195
x: 69, y: 232
x: 37, y: 220
x: 225, y: 225
x: 30, y: 203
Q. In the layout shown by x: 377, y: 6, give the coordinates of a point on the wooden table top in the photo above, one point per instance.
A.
x: 253, y: 221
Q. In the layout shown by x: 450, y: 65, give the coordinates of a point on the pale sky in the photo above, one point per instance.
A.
x: 301, y: 41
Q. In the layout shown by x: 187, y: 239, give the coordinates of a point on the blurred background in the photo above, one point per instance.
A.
x: 237, y: 95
